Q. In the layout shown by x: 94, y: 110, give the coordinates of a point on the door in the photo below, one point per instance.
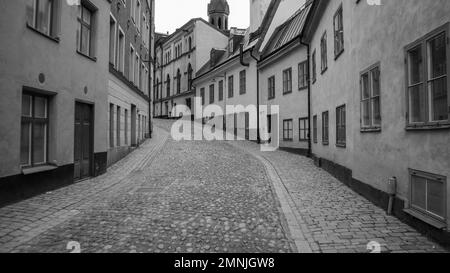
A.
x: 133, y: 125
x: 83, y: 143
x: 247, y: 126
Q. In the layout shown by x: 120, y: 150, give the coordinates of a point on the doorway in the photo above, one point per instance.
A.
x: 133, y: 126
x: 83, y: 141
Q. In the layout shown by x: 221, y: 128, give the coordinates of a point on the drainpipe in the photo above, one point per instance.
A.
x: 258, y: 136
x: 309, y: 95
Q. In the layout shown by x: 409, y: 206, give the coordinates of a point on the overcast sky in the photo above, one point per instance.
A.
x: 172, y: 14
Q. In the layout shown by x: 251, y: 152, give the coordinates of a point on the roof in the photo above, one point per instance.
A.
x: 218, y: 6
x: 291, y: 29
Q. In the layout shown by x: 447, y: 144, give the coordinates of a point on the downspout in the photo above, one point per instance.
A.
x: 258, y: 136
x: 151, y: 66
x: 309, y: 95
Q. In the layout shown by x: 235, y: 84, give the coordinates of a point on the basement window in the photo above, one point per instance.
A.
x: 428, y: 195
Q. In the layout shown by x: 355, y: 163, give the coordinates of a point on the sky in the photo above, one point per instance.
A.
x: 173, y: 14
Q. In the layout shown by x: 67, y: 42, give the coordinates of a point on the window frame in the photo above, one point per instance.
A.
x: 287, y: 82
x: 231, y: 86
x: 289, y: 130
x: 271, y: 88
x: 423, y: 42
x: 243, y: 82
x: 91, y: 26
x: 211, y: 93
x: 32, y: 120
x: 338, y: 51
x: 341, y: 124
x: 304, y: 76
x: 315, y: 131
x: 52, y: 24
x: 371, y: 127
x: 314, y: 66
x: 326, y: 140
x: 220, y: 90
x: 425, y: 212
x: 303, y: 129
x: 323, y: 53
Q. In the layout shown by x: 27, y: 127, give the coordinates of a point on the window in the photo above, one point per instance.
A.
x: 325, y: 128
x: 338, y: 33
x: 112, y: 40
x: 190, y: 43
x: 230, y: 86
x: 314, y: 69
x: 287, y: 81
x: 370, y: 99
x: 34, y: 130
x: 303, y: 75
x: 428, y: 194
x: 315, y: 129
x: 340, y: 126
x: 220, y: 90
x: 323, y: 52
x: 168, y: 85
x: 126, y: 127
x: 303, y: 129
x: 211, y: 94
x: 85, y: 30
x: 131, y: 63
x: 202, y: 95
x: 178, y: 81
x: 120, y: 51
x: 189, y: 76
x: 137, y: 16
x: 242, y: 82
x: 137, y: 73
x: 288, y: 130
x: 428, y: 103
x: 271, y: 88
x: 118, y: 125
x: 40, y: 16
x: 111, y: 125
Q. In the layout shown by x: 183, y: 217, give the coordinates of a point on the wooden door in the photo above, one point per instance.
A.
x: 83, y: 142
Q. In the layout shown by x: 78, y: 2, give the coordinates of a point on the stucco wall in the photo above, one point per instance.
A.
x: 379, y: 34
x: 249, y: 98
x: 24, y: 54
x: 292, y: 106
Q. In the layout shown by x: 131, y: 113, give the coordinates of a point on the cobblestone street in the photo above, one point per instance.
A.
x: 205, y: 197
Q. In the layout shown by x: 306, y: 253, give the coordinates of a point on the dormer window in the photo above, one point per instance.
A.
x: 230, y: 46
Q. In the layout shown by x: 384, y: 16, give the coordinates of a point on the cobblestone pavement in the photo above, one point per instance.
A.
x: 195, y: 197
x: 205, y: 197
x: 332, y: 217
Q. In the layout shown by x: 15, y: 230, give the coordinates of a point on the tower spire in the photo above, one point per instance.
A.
x: 218, y: 11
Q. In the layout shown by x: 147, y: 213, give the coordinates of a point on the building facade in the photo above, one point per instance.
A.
x: 131, y: 39
x: 283, y: 81
x: 380, y: 103
x: 229, y: 78
x: 178, y: 58
x: 53, y: 78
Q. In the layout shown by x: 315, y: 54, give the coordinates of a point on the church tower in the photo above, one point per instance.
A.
x: 218, y: 11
